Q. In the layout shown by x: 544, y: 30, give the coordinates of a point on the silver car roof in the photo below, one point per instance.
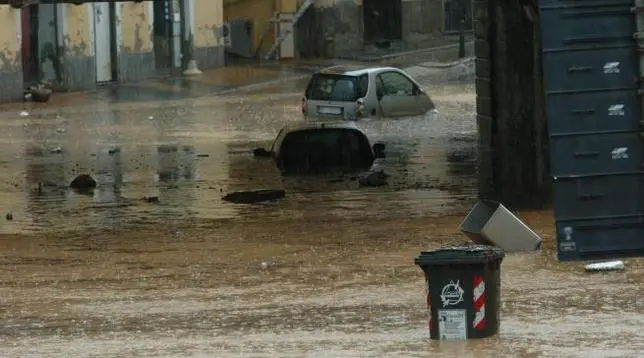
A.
x: 355, y: 70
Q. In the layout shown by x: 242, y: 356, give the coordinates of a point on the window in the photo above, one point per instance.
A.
x: 394, y: 84
x: 363, y: 85
x: 326, y: 87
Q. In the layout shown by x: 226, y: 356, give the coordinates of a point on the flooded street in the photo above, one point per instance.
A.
x: 326, y: 272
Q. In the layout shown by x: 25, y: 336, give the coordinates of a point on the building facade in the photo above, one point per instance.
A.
x: 338, y: 28
x: 266, y: 17
x: 77, y: 46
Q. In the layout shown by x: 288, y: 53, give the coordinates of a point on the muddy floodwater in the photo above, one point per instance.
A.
x: 326, y: 272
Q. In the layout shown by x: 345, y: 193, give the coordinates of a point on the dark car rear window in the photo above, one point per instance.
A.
x: 325, y: 148
x: 329, y: 87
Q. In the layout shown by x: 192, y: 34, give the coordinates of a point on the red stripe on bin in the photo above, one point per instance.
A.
x: 479, y: 298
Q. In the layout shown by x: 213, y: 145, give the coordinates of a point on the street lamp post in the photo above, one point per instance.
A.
x: 461, y: 40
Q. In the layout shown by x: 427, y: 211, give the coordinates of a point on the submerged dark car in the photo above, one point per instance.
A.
x: 319, y: 148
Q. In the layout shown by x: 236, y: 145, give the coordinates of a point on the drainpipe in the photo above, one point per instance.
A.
x: 61, y: 29
x: 189, y: 38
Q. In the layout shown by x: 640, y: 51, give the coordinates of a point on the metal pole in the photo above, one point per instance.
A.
x: 638, y: 11
x: 461, y: 40
x: 189, y: 38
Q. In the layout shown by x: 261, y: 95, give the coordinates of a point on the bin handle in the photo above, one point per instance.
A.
x: 588, y: 197
x: 588, y: 39
x: 584, y: 111
x: 584, y: 69
x: 586, y: 154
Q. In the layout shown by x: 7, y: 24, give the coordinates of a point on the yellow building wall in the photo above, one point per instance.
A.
x: 9, y: 45
x: 289, y: 5
x: 209, y: 17
x: 135, y: 27
x: 78, y: 37
x: 258, y: 11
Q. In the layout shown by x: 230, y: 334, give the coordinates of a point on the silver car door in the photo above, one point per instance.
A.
x: 398, y: 98
x: 387, y: 104
x: 423, y: 101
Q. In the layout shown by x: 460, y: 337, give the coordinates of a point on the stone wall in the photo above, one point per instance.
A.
x: 335, y: 28
x: 421, y: 23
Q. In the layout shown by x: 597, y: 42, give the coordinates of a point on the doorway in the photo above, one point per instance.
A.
x: 29, y: 45
x: 167, y: 35
x: 105, y: 41
x: 382, y: 21
x: 39, y: 44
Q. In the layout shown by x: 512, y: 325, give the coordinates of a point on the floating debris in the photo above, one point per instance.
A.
x: 83, y: 183
x: 256, y: 196
x: 24, y: 114
x: 151, y: 199
x: 39, y: 92
x: 373, y: 179
x: 491, y: 223
x: 606, y: 266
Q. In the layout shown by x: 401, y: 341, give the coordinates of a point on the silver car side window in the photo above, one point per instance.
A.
x: 396, y: 84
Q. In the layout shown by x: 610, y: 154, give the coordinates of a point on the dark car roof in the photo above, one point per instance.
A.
x: 305, y: 126
x: 314, y: 146
x: 291, y: 127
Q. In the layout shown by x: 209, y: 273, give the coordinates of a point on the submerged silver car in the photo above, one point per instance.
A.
x: 354, y: 92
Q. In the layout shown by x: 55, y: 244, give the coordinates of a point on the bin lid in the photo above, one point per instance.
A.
x: 460, y: 254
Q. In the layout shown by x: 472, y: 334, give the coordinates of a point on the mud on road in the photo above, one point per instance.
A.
x: 292, y: 288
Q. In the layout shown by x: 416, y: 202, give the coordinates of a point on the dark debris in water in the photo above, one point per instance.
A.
x: 373, y: 179
x: 83, y: 183
x: 255, y: 196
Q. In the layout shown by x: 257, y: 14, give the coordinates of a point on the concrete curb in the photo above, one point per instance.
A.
x: 259, y: 85
x: 419, y: 52
x: 440, y: 65
x: 430, y: 65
